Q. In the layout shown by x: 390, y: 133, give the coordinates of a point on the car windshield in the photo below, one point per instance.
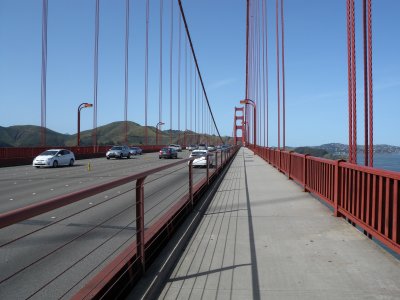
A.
x: 164, y: 149
x: 49, y: 152
x: 116, y: 148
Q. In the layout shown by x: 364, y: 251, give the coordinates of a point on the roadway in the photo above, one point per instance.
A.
x: 76, y: 241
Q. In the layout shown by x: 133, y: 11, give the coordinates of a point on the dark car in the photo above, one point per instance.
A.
x: 168, y: 152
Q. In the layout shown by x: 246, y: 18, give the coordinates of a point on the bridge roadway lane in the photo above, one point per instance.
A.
x: 24, y: 185
x: 113, y: 212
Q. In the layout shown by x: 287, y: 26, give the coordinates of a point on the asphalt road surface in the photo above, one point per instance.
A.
x: 51, y: 256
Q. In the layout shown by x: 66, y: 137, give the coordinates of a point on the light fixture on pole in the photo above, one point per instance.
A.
x: 158, y: 124
x: 251, y: 102
x: 82, y: 105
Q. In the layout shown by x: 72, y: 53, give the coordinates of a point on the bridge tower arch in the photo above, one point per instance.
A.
x: 239, y: 116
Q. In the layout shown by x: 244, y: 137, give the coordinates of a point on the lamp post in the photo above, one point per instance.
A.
x: 82, y: 105
x: 251, y: 102
x: 158, y: 124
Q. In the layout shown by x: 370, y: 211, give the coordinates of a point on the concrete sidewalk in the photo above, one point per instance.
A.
x: 262, y: 237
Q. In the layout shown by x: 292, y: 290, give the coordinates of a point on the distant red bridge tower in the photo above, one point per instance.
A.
x: 240, y: 126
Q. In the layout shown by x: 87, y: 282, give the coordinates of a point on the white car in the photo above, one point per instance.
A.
x: 54, y: 158
x: 176, y: 147
x: 201, y: 158
x: 191, y: 147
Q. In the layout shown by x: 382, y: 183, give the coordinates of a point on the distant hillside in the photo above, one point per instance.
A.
x: 110, y: 134
x: 341, y: 151
x: 28, y: 136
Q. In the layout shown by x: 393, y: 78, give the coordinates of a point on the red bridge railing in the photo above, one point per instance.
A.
x: 366, y: 197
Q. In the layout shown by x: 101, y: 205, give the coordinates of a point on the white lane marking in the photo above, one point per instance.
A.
x: 90, y: 203
x: 33, y: 193
x: 105, y: 197
x: 51, y: 189
x: 53, y: 217
x: 67, y: 185
x: 119, y: 192
x: 11, y: 199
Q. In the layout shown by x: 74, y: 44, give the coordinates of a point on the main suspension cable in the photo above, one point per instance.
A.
x: 197, y: 67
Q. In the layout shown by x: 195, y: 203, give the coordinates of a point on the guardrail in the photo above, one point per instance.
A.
x: 131, y: 263
x: 366, y: 197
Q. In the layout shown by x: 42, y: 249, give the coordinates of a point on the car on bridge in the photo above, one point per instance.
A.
x: 54, y: 158
x: 118, y: 152
x: 168, y: 152
x: 177, y: 147
x: 200, y: 158
x: 191, y: 147
x: 136, y: 150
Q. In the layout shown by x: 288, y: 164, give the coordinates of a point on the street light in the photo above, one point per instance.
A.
x: 82, y: 105
x: 158, y: 124
x: 251, y: 102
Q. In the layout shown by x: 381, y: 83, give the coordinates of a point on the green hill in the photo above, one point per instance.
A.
x: 110, y: 134
x: 28, y: 136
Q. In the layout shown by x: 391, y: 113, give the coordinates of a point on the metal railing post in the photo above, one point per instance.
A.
x: 140, y: 221
x: 216, y: 161
x: 336, y: 189
x: 208, y: 169
x: 191, y: 182
x: 305, y: 173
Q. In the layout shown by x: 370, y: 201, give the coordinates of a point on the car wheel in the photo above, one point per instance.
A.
x: 159, y: 157
x: 120, y: 156
x: 37, y: 167
x: 55, y: 164
x: 129, y: 156
x: 108, y: 157
x: 71, y: 162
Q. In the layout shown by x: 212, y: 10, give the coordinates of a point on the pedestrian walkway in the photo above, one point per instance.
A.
x: 262, y: 237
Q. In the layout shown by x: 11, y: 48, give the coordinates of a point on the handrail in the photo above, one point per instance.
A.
x: 365, y: 196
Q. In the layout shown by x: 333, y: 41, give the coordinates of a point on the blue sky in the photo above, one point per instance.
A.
x: 315, y: 59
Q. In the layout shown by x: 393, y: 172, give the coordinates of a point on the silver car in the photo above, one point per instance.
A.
x: 54, y: 158
x: 118, y: 152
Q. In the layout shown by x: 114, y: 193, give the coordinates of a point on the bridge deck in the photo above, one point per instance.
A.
x: 262, y: 237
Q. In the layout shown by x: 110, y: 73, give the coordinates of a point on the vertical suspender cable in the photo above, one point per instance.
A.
x: 265, y: 72
x: 247, y: 69
x: 126, y: 69
x: 179, y: 74
x: 191, y: 97
x: 354, y: 82
x: 277, y: 74
x: 96, y: 72
x: 44, y: 73
x: 170, y: 70
x: 160, y: 94
x: 146, y: 71
x: 186, y: 87
x: 364, y: 16
x: 195, y: 103
x: 349, y: 75
x: 283, y: 79
x: 370, y: 87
